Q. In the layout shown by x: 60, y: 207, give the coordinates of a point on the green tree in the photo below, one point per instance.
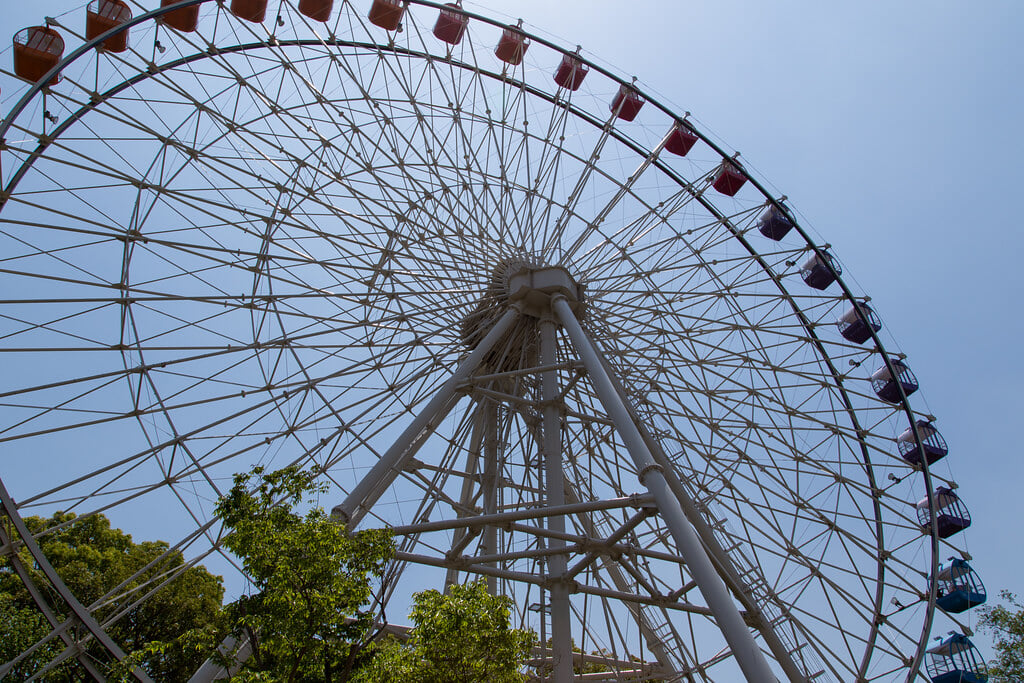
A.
x: 1006, y: 624
x: 20, y: 628
x: 93, y: 558
x: 462, y: 637
x: 307, y: 618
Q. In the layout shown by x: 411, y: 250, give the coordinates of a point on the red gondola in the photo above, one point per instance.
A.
x: 103, y: 15
x: 512, y: 46
x: 451, y: 24
x: 729, y: 179
x: 681, y: 140
x: 571, y: 72
x: 387, y: 14
x: 250, y: 10
x: 627, y: 103
x: 37, y: 49
x: 185, y: 19
x: 317, y: 10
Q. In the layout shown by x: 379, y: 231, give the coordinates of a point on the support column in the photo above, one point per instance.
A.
x: 748, y: 656
x: 723, y: 563
x: 391, y: 464
x: 489, y: 484
x: 561, y: 628
x: 461, y: 536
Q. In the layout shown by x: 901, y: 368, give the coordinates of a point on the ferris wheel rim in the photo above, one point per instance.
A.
x: 848, y: 294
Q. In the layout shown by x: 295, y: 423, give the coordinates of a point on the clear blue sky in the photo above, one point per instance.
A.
x: 894, y: 129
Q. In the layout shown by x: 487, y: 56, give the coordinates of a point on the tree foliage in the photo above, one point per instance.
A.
x: 462, y: 637
x: 1006, y: 624
x: 307, y: 618
x: 93, y: 558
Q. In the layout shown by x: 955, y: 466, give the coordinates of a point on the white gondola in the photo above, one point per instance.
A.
x: 935, y: 448
x: 951, y: 515
x: 858, y: 323
x: 888, y: 388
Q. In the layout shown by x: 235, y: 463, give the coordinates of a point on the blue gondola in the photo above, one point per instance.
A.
x: 958, y: 587
x: 956, y: 660
x: 934, y: 445
x: 857, y: 323
x: 816, y: 272
x: 885, y: 386
x: 951, y: 515
x: 774, y: 223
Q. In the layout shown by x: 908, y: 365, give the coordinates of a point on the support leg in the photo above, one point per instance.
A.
x: 741, y: 642
x: 391, y: 464
x: 489, y: 485
x: 561, y: 630
x: 469, y: 485
x: 716, y: 552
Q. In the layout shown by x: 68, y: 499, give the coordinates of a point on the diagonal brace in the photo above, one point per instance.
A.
x: 748, y: 655
x: 386, y: 470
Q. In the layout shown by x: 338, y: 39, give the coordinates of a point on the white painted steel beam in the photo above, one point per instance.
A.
x: 561, y: 626
x: 386, y: 470
x: 744, y: 648
x: 503, y: 518
x: 723, y: 563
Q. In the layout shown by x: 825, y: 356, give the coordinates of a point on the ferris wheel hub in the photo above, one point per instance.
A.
x: 535, y: 288
x: 531, y: 288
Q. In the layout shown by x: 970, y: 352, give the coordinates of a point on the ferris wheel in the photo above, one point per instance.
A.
x: 500, y: 299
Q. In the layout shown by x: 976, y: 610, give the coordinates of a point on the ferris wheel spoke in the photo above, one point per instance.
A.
x: 402, y: 141
x: 545, y: 181
x: 476, y: 161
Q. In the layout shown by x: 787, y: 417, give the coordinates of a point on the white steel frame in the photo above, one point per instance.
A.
x: 377, y: 188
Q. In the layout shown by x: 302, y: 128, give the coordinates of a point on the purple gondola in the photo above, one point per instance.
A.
x: 934, y: 445
x: 951, y: 515
x: 774, y: 223
x: 858, y: 323
x: 888, y: 388
x: 816, y: 270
